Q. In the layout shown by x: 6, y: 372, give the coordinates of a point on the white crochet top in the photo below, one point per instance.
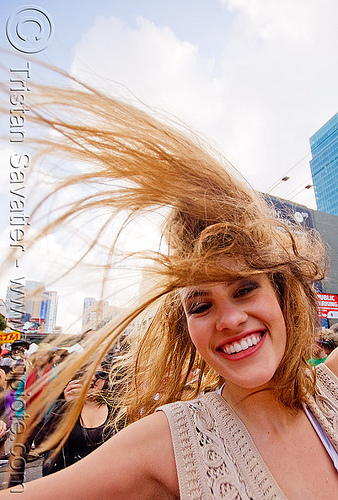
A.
x: 215, y: 456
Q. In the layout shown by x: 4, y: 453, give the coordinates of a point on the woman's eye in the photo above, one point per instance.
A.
x: 198, y: 308
x: 246, y: 289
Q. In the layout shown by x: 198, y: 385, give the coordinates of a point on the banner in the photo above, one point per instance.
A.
x: 328, y: 305
x: 8, y: 338
x: 44, y: 304
x: 288, y: 211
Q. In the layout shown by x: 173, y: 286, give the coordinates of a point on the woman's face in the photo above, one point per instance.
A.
x: 42, y: 359
x: 96, y: 384
x: 238, y: 328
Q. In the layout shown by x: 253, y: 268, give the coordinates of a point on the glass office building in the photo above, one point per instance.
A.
x: 324, y: 166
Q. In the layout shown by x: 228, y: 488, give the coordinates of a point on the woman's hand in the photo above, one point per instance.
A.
x: 3, y: 382
x: 3, y: 429
x: 72, y: 390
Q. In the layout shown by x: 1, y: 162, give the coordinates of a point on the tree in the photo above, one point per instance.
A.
x: 3, y: 323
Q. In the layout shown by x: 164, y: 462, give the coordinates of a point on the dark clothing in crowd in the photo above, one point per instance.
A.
x: 80, y: 442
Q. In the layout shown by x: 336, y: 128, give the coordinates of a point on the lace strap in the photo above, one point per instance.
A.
x: 188, y: 466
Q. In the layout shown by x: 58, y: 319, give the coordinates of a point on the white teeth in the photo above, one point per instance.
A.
x: 242, y: 345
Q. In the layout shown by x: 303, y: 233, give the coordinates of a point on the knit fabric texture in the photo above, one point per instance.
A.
x: 216, y: 458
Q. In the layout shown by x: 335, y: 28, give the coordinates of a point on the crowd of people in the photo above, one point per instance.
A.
x: 23, y: 378
x: 219, y: 395
x: 19, y: 376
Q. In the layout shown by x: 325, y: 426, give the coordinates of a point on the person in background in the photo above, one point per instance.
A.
x: 41, y: 369
x: 59, y: 356
x: 12, y: 373
x: 92, y: 428
x: 36, y: 381
x: 325, y: 344
x: 16, y: 356
x: 15, y: 367
x: 3, y: 437
x: 3, y: 415
x: 3, y: 386
x: 334, y: 329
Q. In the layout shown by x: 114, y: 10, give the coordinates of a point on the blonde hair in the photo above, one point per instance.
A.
x: 213, y: 214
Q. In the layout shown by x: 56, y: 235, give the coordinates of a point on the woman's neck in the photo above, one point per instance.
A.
x: 91, y: 403
x: 258, y: 407
x: 93, y: 414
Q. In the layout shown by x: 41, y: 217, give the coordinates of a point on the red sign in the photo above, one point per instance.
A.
x: 328, y: 305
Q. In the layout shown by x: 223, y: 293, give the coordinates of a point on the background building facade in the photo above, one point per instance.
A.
x: 324, y: 166
x: 95, y: 313
x: 29, y: 302
x: 48, y: 310
x: 326, y: 224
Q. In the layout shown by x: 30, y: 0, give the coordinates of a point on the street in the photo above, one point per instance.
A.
x: 33, y: 471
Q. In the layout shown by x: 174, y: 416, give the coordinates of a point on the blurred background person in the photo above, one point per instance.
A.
x: 93, y: 426
x: 59, y: 356
x: 37, y: 379
x: 41, y: 369
x: 326, y: 342
x: 17, y: 355
x: 15, y: 365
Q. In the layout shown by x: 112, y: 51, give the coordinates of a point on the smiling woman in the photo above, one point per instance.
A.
x: 224, y: 357
x: 239, y: 330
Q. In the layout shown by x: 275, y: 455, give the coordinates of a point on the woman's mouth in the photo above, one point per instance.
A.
x: 243, y: 344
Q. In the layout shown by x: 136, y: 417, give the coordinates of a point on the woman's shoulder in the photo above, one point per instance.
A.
x: 153, y: 430
x: 332, y: 362
x: 150, y: 444
x: 327, y: 381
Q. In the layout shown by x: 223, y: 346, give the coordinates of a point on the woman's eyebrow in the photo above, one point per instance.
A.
x: 190, y: 294
x: 195, y: 293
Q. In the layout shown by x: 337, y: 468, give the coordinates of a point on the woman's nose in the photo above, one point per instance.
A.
x: 230, y: 316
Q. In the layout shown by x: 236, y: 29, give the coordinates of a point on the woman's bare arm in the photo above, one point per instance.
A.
x: 332, y: 361
x: 137, y: 463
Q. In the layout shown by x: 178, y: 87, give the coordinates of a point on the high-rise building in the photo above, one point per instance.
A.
x: 324, y: 166
x: 97, y: 313
x: 34, y: 294
x: 48, y: 310
x: 89, y: 314
x: 94, y: 312
x: 30, y: 301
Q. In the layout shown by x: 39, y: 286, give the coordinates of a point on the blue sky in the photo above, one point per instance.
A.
x: 255, y: 77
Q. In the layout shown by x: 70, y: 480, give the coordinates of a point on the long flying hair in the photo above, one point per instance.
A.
x: 132, y: 163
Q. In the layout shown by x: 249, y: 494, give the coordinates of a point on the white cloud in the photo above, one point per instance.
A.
x: 294, y: 21
x: 153, y: 64
x: 260, y: 97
